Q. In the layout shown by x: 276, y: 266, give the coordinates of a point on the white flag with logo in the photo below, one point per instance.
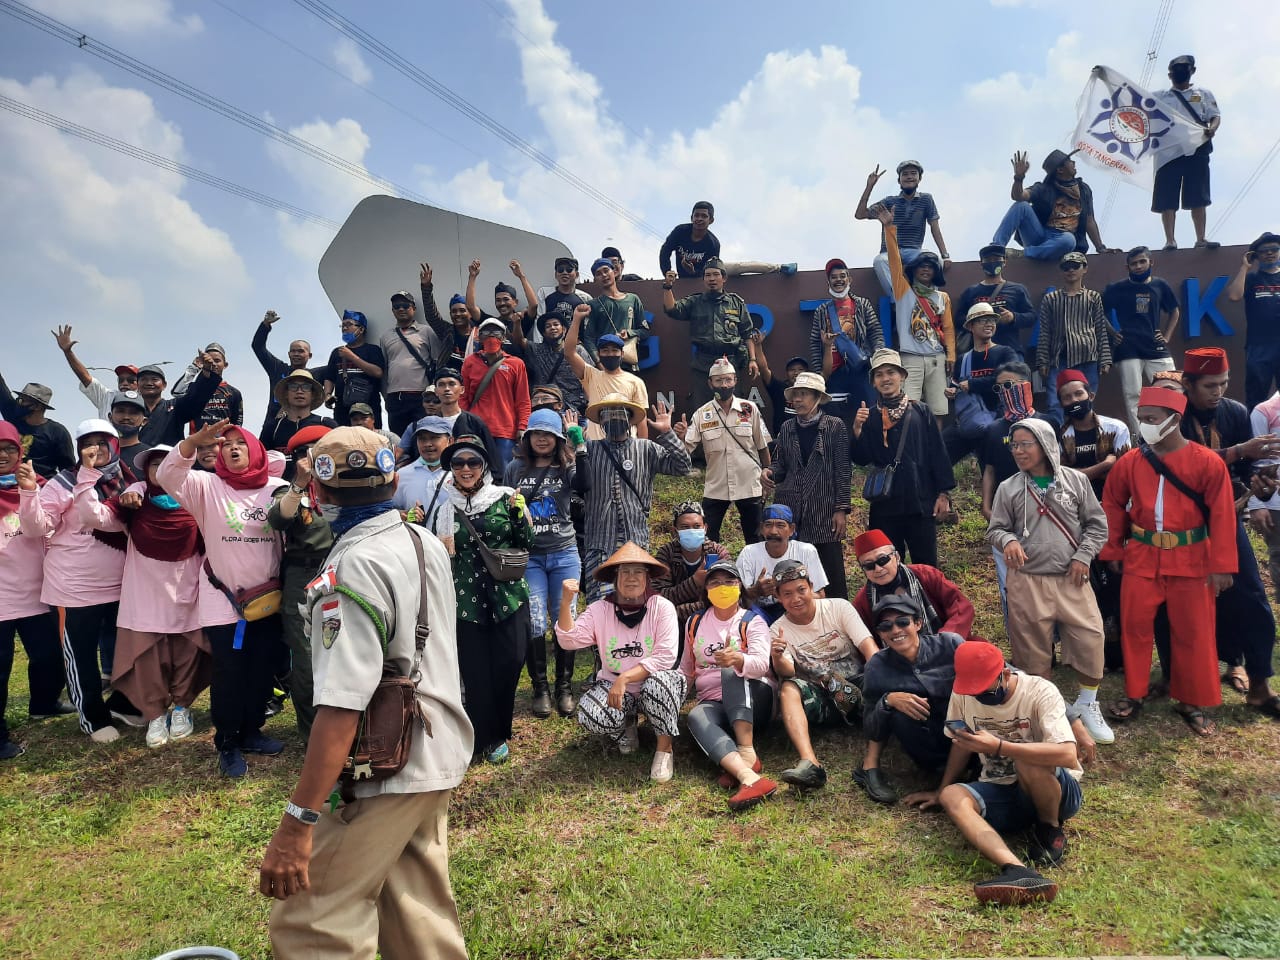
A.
x: 1129, y: 132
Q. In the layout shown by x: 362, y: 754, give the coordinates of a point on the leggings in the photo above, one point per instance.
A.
x: 660, y: 698
x: 711, y: 721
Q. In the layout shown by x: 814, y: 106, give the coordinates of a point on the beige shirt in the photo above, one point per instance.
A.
x: 731, y: 443
x: 833, y: 634
x: 597, y: 383
x: 404, y: 374
x: 376, y: 561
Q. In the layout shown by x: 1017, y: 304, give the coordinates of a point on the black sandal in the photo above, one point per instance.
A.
x: 1126, y: 708
x: 1196, y: 720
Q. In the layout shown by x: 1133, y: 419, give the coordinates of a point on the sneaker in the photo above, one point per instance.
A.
x: 273, y: 706
x: 1014, y: 253
x: 129, y: 719
x: 105, y: 734
x: 11, y: 751
x: 259, y: 742
x: 499, y: 754
x: 1048, y: 845
x: 1014, y: 886
x: 750, y: 796
x: 231, y: 763
x: 541, y: 704
x: 59, y: 709
x: 630, y: 741
x: 876, y: 784
x: 180, y: 724
x: 787, y: 269
x: 806, y: 775
x: 158, y: 732
x: 663, y: 767
x: 1207, y: 244
x: 1090, y: 715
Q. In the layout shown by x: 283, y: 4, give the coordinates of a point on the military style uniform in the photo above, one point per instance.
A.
x: 732, y: 443
x: 386, y: 851
x: 719, y: 326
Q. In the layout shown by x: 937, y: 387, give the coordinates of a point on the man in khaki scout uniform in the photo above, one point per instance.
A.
x: 735, y: 442
x: 372, y: 874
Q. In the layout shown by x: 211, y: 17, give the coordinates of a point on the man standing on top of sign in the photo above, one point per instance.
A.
x: 1187, y: 175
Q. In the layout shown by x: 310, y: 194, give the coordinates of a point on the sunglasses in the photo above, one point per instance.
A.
x: 877, y: 562
x: 901, y: 623
x: 430, y: 398
x: 1266, y: 250
x: 466, y: 463
x: 1068, y: 267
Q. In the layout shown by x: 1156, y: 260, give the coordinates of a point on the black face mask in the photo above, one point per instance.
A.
x: 128, y: 432
x: 1078, y: 410
x: 992, y: 698
x: 611, y: 363
x: 722, y: 393
x: 992, y: 269
x: 1180, y: 74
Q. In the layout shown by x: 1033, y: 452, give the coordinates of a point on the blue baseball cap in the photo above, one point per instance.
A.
x: 546, y: 420
x: 611, y: 339
x: 433, y: 425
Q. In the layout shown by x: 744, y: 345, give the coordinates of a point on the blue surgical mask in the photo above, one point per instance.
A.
x: 992, y: 698
x: 430, y: 463
x: 165, y: 502
x: 992, y: 269
x: 8, y: 480
x: 348, y: 337
x: 692, y: 539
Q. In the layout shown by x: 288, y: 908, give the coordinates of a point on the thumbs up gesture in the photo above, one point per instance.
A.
x: 860, y: 418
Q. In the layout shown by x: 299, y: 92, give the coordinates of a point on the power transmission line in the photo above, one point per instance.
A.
x: 445, y: 93
x: 62, y: 125
x: 125, y: 62
x: 1248, y: 185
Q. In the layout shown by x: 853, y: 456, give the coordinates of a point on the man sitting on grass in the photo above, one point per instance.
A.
x: 1017, y: 724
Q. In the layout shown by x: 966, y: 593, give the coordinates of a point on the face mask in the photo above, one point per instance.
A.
x: 490, y: 344
x: 1079, y: 410
x: 724, y: 596
x: 992, y: 698
x: 691, y: 539
x: 348, y: 337
x: 431, y: 463
x: 992, y: 269
x: 8, y: 481
x: 1180, y: 74
x: 165, y: 502
x: 838, y: 294
x: 1140, y: 277
x: 617, y: 428
x: 127, y: 432
x: 611, y: 362
x: 1153, y: 433
x: 722, y: 393
x: 1016, y: 400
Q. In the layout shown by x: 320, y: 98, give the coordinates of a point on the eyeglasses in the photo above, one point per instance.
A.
x: 901, y: 623
x: 350, y: 326
x: 881, y: 561
x: 1022, y: 444
x: 466, y: 463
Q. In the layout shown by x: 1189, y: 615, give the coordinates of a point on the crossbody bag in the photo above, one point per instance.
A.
x: 879, y: 482
x: 505, y: 564
x: 384, y: 736
x: 1177, y: 482
x: 429, y: 369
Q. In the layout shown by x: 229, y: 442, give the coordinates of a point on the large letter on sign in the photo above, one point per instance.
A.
x: 1205, y: 306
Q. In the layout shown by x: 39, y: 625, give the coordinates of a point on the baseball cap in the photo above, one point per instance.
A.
x: 569, y: 263
x: 978, y: 663
x: 785, y: 571
x: 360, y: 408
x: 437, y: 425
x: 152, y: 368
x: 902, y: 602
x: 125, y: 368
x: 403, y: 295
x: 492, y: 323
x: 128, y: 398
x: 612, y: 339
x: 1075, y: 256
x: 352, y: 457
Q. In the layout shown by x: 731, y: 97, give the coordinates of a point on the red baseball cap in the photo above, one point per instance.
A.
x: 978, y: 663
x: 125, y: 368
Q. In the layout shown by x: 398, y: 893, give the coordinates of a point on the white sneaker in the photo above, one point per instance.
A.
x: 663, y: 767
x: 158, y: 732
x: 630, y: 740
x: 105, y: 734
x: 180, y: 724
x: 1090, y: 715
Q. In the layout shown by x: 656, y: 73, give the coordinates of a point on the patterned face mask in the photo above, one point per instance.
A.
x: 1016, y: 400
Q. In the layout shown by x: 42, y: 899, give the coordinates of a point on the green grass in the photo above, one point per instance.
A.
x: 120, y: 851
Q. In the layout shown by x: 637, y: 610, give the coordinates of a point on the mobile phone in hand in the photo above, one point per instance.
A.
x: 957, y: 726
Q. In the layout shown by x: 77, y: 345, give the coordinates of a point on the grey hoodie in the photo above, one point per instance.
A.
x: 1015, y: 514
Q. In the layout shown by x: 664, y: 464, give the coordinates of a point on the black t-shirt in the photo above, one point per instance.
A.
x: 548, y: 492
x: 47, y: 446
x: 130, y: 454
x: 353, y: 385
x: 690, y: 254
x: 1262, y: 309
x: 562, y: 304
x: 1137, y: 309
x: 782, y: 412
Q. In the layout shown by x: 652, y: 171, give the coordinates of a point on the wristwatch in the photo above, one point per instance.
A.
x: 302, y: 814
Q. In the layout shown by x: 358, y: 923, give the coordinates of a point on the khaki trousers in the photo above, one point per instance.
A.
x: 379, y: 883
x: 1039, y: 603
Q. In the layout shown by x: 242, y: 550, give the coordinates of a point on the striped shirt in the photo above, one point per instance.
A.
x: 1073, y: 330
x: 614, y: 512
x: 814, y: 488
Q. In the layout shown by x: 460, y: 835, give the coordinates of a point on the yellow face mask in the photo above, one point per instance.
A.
x: 725, y: 596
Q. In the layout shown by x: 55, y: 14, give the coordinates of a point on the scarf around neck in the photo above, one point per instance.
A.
x: 479, y: 501
x: 159, y: 534
x: 907, y: 580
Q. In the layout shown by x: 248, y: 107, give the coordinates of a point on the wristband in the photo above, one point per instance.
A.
x: 1000, y: 749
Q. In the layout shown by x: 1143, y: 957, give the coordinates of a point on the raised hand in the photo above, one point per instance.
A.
x: 681, y: 426
x: 63, y: 336
x: 661, y: 420
x: 671, y: 276
x: 473, y: 269
x: 131, y: 500
x: 517, y: 269
x: 26, y: 476
x: 874, y: 177
x: 1020, y: 163
x: 581, y: 312
x: 210, y: 433
x: 270, y: 318
x: 302, y: 471
x: 424, y: 274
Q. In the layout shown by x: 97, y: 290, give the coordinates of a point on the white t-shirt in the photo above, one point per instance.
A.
x: 755, y: 558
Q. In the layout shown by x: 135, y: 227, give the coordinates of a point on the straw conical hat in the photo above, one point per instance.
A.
x: 629, y: 552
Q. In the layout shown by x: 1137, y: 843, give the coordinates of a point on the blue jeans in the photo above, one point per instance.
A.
x: 1090, y: 370
x: 545, y: 575
x: 1007, y: 807
x: 881, y: 267
x: 506, y: 448
x: 1038, y: 241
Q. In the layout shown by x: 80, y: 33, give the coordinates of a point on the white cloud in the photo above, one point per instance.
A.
x: 348, y: 59
x: 123, y: 16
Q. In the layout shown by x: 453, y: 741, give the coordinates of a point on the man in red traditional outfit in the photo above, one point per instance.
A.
x: 1171, y: 520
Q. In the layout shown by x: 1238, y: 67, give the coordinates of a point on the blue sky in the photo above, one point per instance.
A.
x: 776, y: 113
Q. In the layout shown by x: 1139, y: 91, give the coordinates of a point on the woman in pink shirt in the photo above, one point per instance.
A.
x: 21, y: 610
x: 162, y: 657
x: 243, y: 552
x: 83, y: 567
x: 726, y: 655
x: 634, y: 631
